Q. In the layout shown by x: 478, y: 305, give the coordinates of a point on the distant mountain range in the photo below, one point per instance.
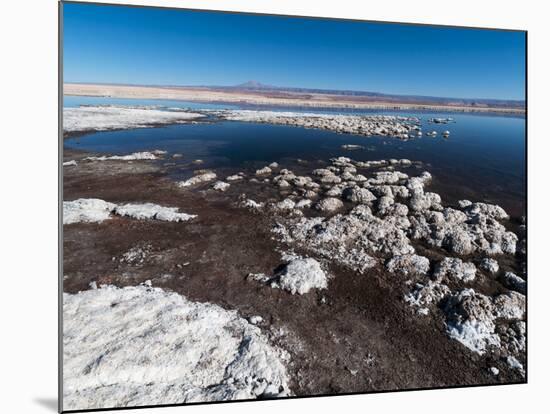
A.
x: 253, y: 85
x: 345, y: 97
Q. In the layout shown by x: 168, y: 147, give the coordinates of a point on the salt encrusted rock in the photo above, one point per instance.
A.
x: 513, y: 337
x: 487, y: 210
x: 285, y: 205
x: 320, y: 172
x: 424, y: 295
x: 96, y: 210
x: 263, y: 171
x: 152, y: 211
x: 514, y: 282
x: 384, y: 204
x: 301, y: 275
x: 470, y: 320
x: 255, y: 320
x: 86, y: 210
x: 283, y: 184
x: 303, y: 203
x: 489, y: 265
x: 358, y: 195
x: 336, y: 190
x: 387, y: 177
x: 515, y: 364
x: 408, y: 264
x: 329, y: 204
x: 71, y: 163
x: 464, y: 203
x: 331, y: 179
x: 510, y: 305
x: 198, y: 179
x: 273, y: 165
x: 235, y: 177
x: 251, y: 204
x: 395, y: 210
x: 383, y: 125
x: 342, y: 162
x: 494, y: 371
x: 361, y: 211
x: 453, y: 268
x: 220, y: 186
x: 300, y: 181
x: 463, y: 232
x: 351, y: 240
x: 241, y: 362
x: 136, y: 156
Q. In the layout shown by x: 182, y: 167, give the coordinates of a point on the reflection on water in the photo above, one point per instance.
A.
x: 482, y: 160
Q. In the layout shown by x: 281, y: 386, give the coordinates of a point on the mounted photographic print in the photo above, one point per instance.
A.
x: 261, y: 206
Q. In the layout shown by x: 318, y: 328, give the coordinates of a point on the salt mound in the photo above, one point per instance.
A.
x: 301, y: 275
x: 87, y: 210
x: 144, y: 346
x: 152, y: 211
x: 93, y: 210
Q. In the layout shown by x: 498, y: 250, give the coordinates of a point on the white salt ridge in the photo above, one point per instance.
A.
x: 198, y: 179
x: 86, y: 210
x: 136, y: 156
x: 103, y: 118
x: 152, y: 211
x: 144, y: 346
x: 71, y: 163
x: 93, y: 210
x: 220, y: 186
x: 383, y: 125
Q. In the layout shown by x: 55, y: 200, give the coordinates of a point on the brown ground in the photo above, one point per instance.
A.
x: 357, y: 336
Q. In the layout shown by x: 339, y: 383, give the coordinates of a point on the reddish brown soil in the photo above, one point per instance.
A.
x: 357, y: 336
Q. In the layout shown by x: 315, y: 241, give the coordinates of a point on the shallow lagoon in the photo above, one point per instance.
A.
x: 482, y: 160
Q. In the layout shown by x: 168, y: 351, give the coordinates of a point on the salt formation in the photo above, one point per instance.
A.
x: 298, y: 276
x: 93, y: 210
x: 382, y: 125
x: 145, y: 346
x: 136, y: 156
x: 151, y: 211
x: 86, y: 210
x: 102, y: 118
x: 198, y: 179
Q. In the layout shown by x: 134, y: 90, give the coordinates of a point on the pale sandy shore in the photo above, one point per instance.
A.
x: 267, y: 98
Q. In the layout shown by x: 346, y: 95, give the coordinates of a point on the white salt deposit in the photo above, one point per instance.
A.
x: 136, y: 156
x: 220, y: 186
x: 152, y: 211
x: 144, y: 346
x: 103, y: 118
x: 198, y: 179
x: 301, y: 275
x: 93, y: 210
x: 86, y: 210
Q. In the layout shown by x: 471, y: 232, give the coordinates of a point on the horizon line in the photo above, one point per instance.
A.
x: 273, y: 87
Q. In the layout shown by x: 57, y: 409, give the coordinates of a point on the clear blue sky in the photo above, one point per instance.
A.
x: 113, y: 44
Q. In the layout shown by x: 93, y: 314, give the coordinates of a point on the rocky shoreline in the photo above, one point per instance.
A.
x: 325, y: 259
